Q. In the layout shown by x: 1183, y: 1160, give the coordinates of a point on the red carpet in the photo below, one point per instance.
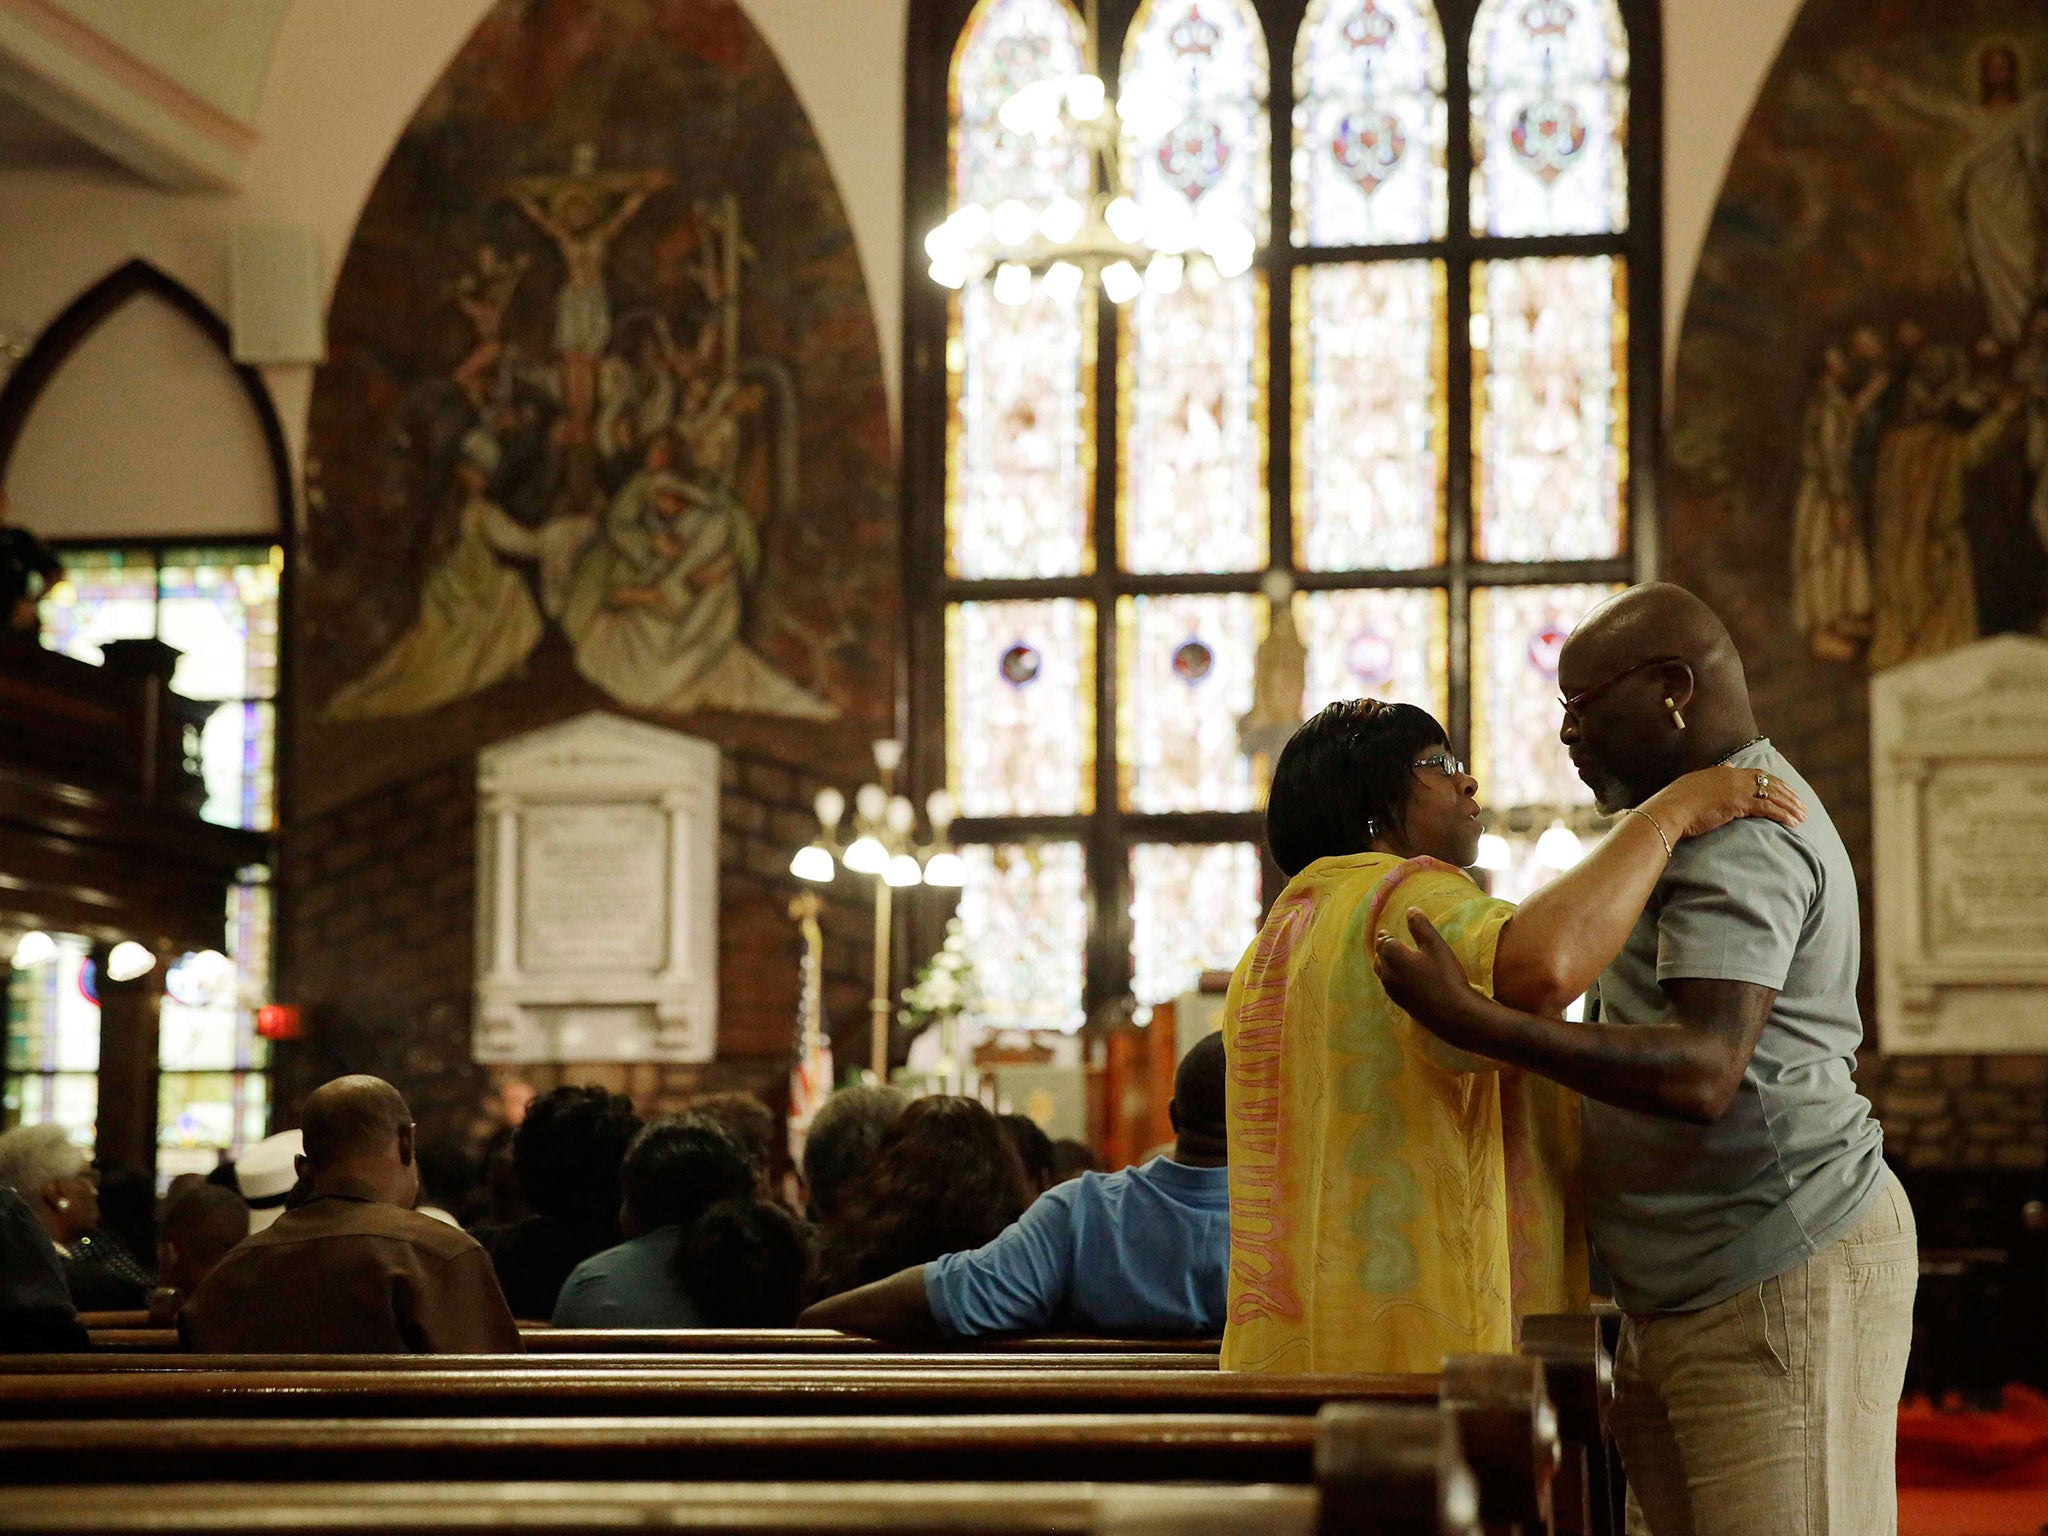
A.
x: 1975, y: 1474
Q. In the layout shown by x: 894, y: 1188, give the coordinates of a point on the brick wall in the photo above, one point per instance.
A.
x: 377, y: 946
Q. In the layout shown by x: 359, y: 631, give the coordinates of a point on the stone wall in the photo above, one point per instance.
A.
x: 377, y: 901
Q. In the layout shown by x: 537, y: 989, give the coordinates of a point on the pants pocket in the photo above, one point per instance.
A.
x: 1764, y: 1327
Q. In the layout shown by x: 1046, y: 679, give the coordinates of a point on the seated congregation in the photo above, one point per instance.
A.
x: 926, y: 1218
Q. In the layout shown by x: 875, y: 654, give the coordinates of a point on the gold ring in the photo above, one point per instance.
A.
x: 1763, y: 786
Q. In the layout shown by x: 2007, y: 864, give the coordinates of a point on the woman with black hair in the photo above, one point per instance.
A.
x: 945, y: 1178
x: 700, y: 1250
x: 566, y: 1154
x: 1394, y: 1200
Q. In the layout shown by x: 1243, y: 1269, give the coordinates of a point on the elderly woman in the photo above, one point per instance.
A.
x: 57, y: 1180
x: 1394, y: 1200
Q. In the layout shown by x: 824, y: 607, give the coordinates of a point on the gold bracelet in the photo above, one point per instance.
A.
x: 1636, y: 810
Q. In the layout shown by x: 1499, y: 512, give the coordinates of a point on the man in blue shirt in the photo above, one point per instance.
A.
x: 1144, y: 1251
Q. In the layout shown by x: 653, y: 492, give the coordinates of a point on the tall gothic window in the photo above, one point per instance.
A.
x: 218, y: 605
x: 1429, y: 404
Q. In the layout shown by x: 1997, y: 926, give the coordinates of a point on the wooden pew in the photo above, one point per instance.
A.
x: 680, y: 1389
x: 129, y: 1361
x: 1390, y: 1469
x: 729, y: 1509
x: 130, y: 1331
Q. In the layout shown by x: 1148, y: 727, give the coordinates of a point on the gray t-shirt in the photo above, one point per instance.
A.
x: 1684, y: 1216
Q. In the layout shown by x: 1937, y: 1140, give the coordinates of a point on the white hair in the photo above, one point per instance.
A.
x: 33, y: 1155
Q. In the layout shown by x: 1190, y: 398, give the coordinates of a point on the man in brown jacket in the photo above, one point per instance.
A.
x: 353, y: 1269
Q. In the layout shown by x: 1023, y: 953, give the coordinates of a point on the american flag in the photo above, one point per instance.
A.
x: 810, y: 1067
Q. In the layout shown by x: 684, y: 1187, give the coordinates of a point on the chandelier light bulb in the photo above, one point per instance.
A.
x: 1146, y: 113
x: 947, y: 870
x: 1034, y: 110
x: 1126, y: 219
x: 1012, y: 222
x: 902, y: 870
x: 1120, y: 282
x: 938, y: 809
x: 943, y: 241
x: 1086, y: 97
x: 1558, y: 847
x: 33, y: 948
x: 1231, y: 247
x: 1493, y: 852
x: 1013, y: 283
x: 812, y: 863
x: 872, y: 801
x: 901, y: 815
x: 129, y: 960
x: 970, y: 224
x: 1165, y: 273
x: 948, y: 272
x: 1062, y: 220
x: 1062, y: 281
x: 830, y: 806
x: 867, y: 856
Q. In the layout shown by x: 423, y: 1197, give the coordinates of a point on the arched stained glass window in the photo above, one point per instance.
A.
x: 1020, y: 454
x: 1369, y: 124
x: 1549, y: 118
x: 1192, y: 410
x: 1427, y: 400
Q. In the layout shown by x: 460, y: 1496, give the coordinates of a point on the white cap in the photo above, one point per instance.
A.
x: 266, y: 1173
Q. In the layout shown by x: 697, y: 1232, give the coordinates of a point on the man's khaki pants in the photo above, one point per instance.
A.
x: 1775, y: 1413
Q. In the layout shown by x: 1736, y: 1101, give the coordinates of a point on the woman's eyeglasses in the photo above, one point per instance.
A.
x: 1442, y: 762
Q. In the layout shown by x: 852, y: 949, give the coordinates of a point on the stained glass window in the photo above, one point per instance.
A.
x: 1022, y: 458
x: 1194, y: 908
x: 1369, y: 124
x: 219, y: 607
x: 1549, y: 408
x: 1024, y: 911
x: 1549, y: 118
x: 1208, y: 59
x: 1438, y: 397
x: 1372, y: 409
x: 53, y: 1042
x: 1020, y: 455
x: 1186, y: 679
x: 1020, y: 690
x: 1517, y: 633
x: 1192, y: 417
x: 1375, y: 643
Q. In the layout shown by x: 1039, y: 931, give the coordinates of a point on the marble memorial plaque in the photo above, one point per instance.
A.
x: 1959, y: 772
x: 593, y: 888
x: 597, y: 923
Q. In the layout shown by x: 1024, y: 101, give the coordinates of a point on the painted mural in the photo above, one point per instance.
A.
x: 603, y: 418
x: 1860, y: 437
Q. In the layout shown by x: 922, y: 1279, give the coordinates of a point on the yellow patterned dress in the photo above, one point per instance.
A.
x: 1392, y: 1200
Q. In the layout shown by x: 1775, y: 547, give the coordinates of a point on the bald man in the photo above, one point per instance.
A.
x: 1764, y: 1256
x: 354, y: 1269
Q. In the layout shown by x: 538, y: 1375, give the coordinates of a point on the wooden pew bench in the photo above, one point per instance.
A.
x: 1379, y: 1468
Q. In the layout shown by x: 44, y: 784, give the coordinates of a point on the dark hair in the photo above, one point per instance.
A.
x: 750, y: 1124
x: 1343, y: 775
x: 680, y: 1166
x: 1034, y: 1148
x: 1198, y: 1117
x: 743, y: 1263
x: 841, y: 1143
x: 945, y: 1179
x: 568, y: 1148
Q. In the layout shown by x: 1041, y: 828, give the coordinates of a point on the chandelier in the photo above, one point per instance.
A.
x: 1105, y: 237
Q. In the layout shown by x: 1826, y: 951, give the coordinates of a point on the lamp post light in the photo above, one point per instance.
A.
x: 884, y: 847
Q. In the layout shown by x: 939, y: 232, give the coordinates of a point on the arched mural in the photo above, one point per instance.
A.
x: 602, y: 426
x: 1861, y: 419
x: 603, y: 420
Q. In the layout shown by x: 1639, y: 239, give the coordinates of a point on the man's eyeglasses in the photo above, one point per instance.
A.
x: 1576, y: 704
x: 1442, y: 762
